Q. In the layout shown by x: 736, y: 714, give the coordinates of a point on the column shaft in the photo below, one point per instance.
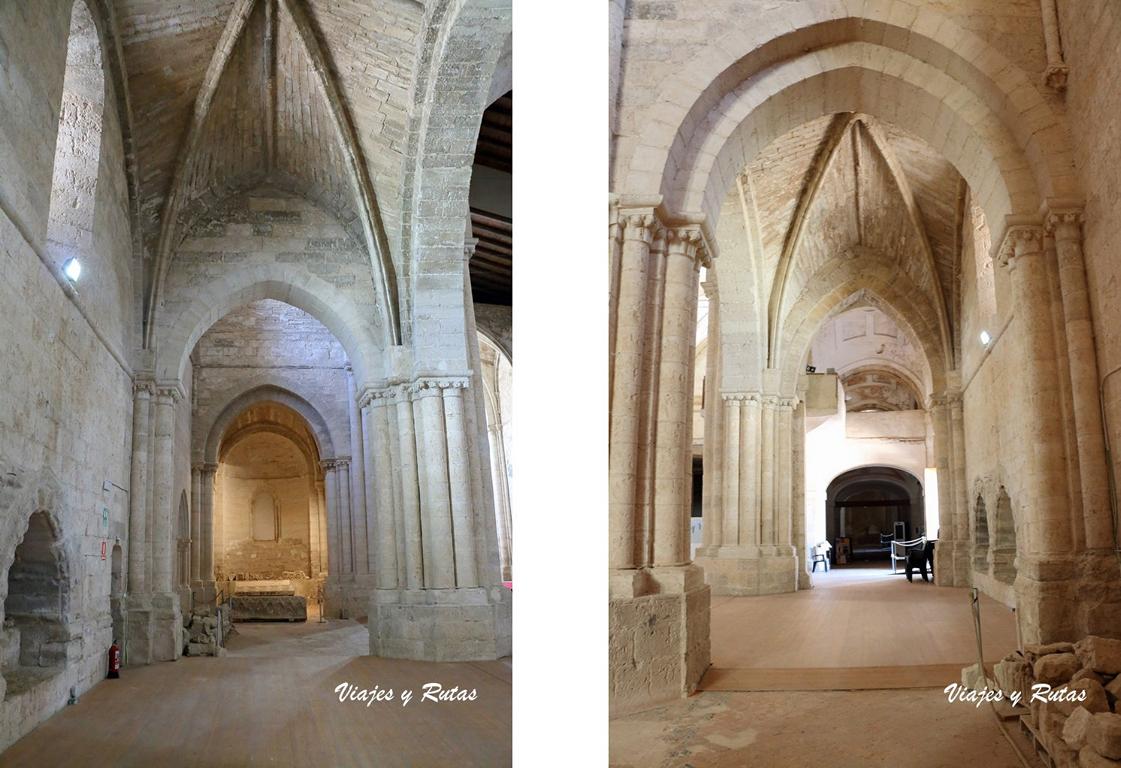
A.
x: 732, y: 453
x: 627, y: 391
x: 410, y: 492
x: 749, y: 473
x: 330, y: 488
x: 459, y: 481
x: 196, y: 523
x: 767, y: 474
x: 206, y: 522
x: 673, y: 463
x: 359, y: 535
x: 435, y: 501
x: 380, y: 491
x: 138, y: 482
x: 784, y: 463
x: 162, y: 548
x: 1097, y: 522
x: 345, y: 517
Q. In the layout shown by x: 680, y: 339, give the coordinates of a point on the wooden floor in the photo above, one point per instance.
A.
x: 271, y: 701
x: 853, y: 618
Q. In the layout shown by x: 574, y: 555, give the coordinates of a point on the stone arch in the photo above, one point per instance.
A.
x: 237, y: 404
x: 70, y: 218
x: 890, y: 54
x: 980, y: 536
x: 188, y: 314
x: 466, y: 42
x: 840, y: 284
x: 1003, y: 541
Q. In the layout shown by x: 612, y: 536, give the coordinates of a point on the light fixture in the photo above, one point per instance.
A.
x: 72, y: 268
x: 985, y: 338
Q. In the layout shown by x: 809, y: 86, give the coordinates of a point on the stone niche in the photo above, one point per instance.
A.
x: 35, y: 638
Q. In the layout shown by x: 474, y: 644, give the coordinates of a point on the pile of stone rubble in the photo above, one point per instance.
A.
x: 1083, y: 733
x: 201, y: 634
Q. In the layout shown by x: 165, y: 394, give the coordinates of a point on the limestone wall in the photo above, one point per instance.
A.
x: 1090, y: 31
x: 66, y: 400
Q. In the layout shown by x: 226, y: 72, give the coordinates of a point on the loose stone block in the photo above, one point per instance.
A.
x: 1101, y: 654
x: 1056, y: 668
x: 1104, y: 734
x: 1076, y: 728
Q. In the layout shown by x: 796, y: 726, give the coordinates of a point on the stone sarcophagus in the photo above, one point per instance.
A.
x: 274, y: 600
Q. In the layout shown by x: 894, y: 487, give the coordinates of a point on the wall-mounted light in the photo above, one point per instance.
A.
x: 72, y: 268
x: 985, y: 338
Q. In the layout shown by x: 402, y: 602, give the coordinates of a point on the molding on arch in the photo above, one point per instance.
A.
x: 267, y: 393
x: 746, y: 52
x: 893, y: 294
x: 176, y: 335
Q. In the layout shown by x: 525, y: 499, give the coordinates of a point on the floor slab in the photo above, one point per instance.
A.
x: 272, y: 701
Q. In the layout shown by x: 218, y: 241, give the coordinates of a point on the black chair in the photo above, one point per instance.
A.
x: 820, y: 555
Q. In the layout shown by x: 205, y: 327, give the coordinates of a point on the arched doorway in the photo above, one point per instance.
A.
x: 866, y: 508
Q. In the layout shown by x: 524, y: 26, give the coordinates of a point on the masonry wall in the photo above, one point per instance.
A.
x: 1090, y: 30
x: 65, y: 404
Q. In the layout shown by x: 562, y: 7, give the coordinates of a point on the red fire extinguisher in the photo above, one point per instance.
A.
x: 114, y: 661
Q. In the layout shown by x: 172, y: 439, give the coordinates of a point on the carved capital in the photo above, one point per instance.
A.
x: 1055, y: 77
x: 944, y: 399
x: 469, y: 245
x: 1019, y: 241
x: 639, y: 226
x: 143, y: 388
x: 690, y: 241
x: 434, y: 385
x: 741, y: 397
x: 1064, y: 224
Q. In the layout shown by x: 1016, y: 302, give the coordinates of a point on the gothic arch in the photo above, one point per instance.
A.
x: 890, y: 60
x: 1003, y: 540
x: 980, y: 536
x: 190, y: 311
x: 216, y: 431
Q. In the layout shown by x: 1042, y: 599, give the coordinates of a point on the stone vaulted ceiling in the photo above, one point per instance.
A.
x: 848, y: 184
x: 309, y: 94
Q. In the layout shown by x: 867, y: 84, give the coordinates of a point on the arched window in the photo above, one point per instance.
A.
x: 78, y: 147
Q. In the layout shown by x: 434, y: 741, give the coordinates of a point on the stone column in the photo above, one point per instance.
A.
x: 712, y: 497
x: 730, y: 535
x: 206, y: 521
x: 951, y: 555
x: 784, y: 461
x: 767, y: 480
x: 674, y: 460
x: 138, y: 482
x: 196, y: 523
x: 627, y: 393
x: 435, y: 499
x: 164, y: 485
x: 501, y: 498
x: 166, y: 609
x: 359, y: 536
x: 750, y: 432
x: 321, y: 524
x: 648, y: 412
x: 798, y: 490
x: 459, y: 482
x: 1066, y: 227
x: 410, y: 491
x: 379, y: 487
x: 344, y: 516
x: 1045, y: 570
x: 330, y: 486
x: 671, y: 593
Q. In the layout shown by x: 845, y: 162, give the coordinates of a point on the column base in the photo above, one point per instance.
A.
x: 466, y: 624
x: 749, y: 570
x: 952, y: 564
x: 659, y: 635
x: 348, y: 597
x: 1045, y: 599
x: 153, y: 628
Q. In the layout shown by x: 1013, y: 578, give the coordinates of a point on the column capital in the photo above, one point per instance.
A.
x: 432, y: 385
x: 170, y: 389
x: 143, y: 388
x: 469, y: 246
x: 945, y: 398
x: 710, y: 288
x: 1064, y: 223
x: 689, y: 240
x: 639, y: 224
x: 1055, y: 77
x: 1020, y: 240
x: 748, y: 397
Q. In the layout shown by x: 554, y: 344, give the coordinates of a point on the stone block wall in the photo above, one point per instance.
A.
x: 65, y: 405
